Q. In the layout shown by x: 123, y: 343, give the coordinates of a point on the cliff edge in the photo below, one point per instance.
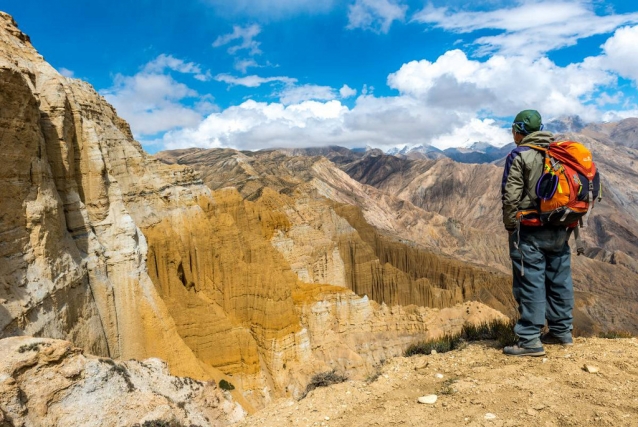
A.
x: 479, y: 386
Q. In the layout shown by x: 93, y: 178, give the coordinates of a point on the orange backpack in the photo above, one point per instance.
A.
x: 568, y: 186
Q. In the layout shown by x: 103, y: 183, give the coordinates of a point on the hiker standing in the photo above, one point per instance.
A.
x: 540, y: 255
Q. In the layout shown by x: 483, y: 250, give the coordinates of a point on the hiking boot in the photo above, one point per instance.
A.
x: 550, y: 338
x: 515, y: 350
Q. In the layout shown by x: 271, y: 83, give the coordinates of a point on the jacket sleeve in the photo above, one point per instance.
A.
x: 512, y: 190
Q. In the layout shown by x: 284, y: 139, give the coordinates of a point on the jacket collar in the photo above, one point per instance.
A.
x: 540, y: 138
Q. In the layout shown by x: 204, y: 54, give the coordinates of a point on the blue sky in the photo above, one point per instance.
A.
x: 253, y: 74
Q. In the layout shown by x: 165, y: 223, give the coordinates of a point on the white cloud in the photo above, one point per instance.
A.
x: 252, y: 81
x: 347, y: 92
x: 613, y: 116
x: 607, y: 99
x: 529, y: 28
x: 272, y: 9
x: 298, y: 94
x: 621, y: 51
x: 152, y: 101
x: 242, y: 65
x: 502, y: 85
x: 475, y: 130
x: 451, y: 101
x: 375, y: 15
x: 168, y: 62
x: 245, y: 36
x: 379, y: 122
x: 254, y: 125
x: 66, y: 72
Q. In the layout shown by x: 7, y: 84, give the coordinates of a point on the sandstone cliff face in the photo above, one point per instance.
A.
x: 45, y: 382
x: 132, y: 258
x: 342, y: 232
x: 74, y: 258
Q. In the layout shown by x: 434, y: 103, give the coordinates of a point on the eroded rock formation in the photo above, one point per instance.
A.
x: 131, y: 258
x: 45, y: 382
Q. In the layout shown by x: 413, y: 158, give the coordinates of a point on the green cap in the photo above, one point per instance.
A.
x: 527, y: 121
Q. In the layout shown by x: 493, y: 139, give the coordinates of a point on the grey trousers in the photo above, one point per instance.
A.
x: 542, y: 286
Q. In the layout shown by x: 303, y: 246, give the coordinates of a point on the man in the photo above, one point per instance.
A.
x: 541, y: 257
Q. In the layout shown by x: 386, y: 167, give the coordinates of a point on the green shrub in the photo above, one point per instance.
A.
x: 498, y: 330
x: 441, y: 345
x: 324, y: 379
x: 225, y: 385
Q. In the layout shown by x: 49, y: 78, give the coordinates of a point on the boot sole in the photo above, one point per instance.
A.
x: 537, y: 354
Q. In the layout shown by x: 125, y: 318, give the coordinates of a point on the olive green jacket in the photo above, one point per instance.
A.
x: 523, y: 168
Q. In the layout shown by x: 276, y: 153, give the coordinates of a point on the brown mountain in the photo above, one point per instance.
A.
x: 470, y: 194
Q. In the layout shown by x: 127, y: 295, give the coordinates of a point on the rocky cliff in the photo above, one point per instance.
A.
x: 45, y: 382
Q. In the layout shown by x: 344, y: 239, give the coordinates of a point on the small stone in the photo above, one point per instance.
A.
x: 545, y: 359
x: 421, y: 365
x: 327, y: 418
x: 430, y: 399
x: 490, y: 416
x: 539, y: 407
x: 590, y: 368
x: 439, y: 376
x: 433, y: 352
x: 532, y: 412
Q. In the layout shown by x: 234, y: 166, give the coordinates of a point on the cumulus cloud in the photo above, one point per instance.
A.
x: 347, y: 92
x: 616, y: 115
x: 475, y: 130
x: 271, y: 9
x: 375, y: 15
x: 298, y: 94
x: 451, y: 101
x: 252, y: 81
x: 529, y: 28
x: 621, y: 52
x: 152, y: 100
x: 502, y: 85
x: 379, y: 122
x: 245, y: 36
x: 254, y: 125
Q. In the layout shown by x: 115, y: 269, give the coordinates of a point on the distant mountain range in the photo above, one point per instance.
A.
x: 479, y: 152
x: 619, y: 133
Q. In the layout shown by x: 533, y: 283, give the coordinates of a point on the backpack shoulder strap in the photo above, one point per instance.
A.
x: 535, y: 147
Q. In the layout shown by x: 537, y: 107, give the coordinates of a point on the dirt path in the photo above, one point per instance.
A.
x: 479, y: 386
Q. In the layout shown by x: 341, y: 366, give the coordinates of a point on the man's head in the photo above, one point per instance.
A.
x: 526, y: 122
